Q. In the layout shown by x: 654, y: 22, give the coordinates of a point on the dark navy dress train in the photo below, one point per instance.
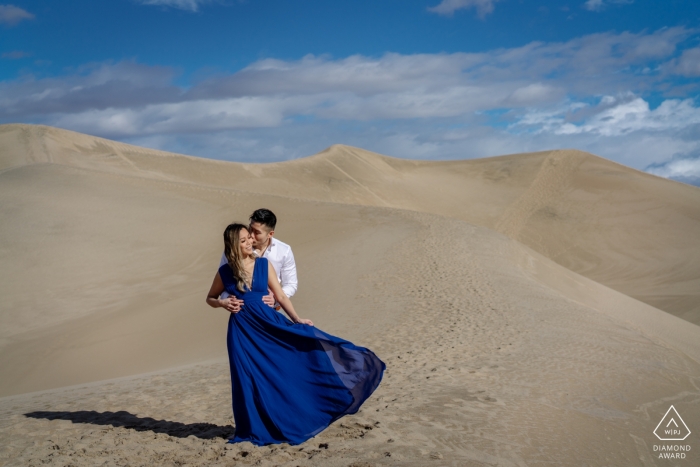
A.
x: 289, y: 381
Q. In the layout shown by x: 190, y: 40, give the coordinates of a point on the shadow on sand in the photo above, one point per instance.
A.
x: 124, y: 419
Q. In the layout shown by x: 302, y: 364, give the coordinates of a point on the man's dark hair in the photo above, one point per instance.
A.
x: 264, y: 217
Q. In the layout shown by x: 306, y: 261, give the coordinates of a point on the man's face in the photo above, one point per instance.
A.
x: 260, y: 233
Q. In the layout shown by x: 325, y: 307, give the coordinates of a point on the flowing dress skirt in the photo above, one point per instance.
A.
x: 290, y: 381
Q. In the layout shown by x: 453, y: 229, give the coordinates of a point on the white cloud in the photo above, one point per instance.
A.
x: 393, y: 86
x: 448, y: 7
x: 124, y: 84
x: 586, y: 93
x: 593, y: 5
x: 15, y: 55
x: 191, y: 5
x: 688, y: 64
x: 536, y: 92
x: 599, y: 5
x: 682, y: 168
x: 188, y: 116
x: 11, y: 15
x: 616, y: 116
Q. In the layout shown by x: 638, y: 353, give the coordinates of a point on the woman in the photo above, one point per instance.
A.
x: 289, y: 379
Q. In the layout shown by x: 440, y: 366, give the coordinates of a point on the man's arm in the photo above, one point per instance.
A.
x: 274, y: 285
x: 288, y: 274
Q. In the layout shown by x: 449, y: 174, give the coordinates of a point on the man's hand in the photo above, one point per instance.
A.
x: 269, y: 299
x: 231, y: 303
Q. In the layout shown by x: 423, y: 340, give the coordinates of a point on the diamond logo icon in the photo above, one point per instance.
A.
x: 672, y: 427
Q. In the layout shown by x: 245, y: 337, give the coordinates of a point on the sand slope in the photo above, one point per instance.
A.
x: 626, y: 229
x: 487, y: 365
x: 496, y: 353
x: 106, y: 276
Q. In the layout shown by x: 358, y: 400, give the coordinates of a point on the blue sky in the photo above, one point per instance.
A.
x: 268, y: 80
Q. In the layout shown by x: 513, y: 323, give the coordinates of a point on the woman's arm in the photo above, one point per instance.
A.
x: 281, y: 297
x: 231, y: 303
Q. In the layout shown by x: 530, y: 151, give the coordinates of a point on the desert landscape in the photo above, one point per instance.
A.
x: 532, y: 309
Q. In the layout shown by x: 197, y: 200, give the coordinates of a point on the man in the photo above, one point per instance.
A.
x: 262, y: 228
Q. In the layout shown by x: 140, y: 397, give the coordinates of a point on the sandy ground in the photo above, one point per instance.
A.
x: 496, y: 354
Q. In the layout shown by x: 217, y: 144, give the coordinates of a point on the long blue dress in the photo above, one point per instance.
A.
x: 289, y: 381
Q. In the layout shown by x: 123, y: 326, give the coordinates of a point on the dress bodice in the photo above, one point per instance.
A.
x: 258, y: 285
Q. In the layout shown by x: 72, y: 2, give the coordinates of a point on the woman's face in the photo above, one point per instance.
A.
x: 246, y: 242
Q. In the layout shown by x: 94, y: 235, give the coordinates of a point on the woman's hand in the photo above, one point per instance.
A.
x: 304, y: 321
x: 231, y: 303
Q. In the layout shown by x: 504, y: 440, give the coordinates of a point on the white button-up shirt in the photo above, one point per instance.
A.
x: 282, y: 259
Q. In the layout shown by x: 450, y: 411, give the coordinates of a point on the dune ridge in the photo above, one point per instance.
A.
x: 565, y: 204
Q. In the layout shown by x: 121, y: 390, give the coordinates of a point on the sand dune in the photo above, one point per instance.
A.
x: 631, y: 231
x: 94, y: 264
x: 499, y: 352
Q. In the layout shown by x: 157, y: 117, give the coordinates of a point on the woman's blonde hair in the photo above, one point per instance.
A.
x: 232, y: 251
